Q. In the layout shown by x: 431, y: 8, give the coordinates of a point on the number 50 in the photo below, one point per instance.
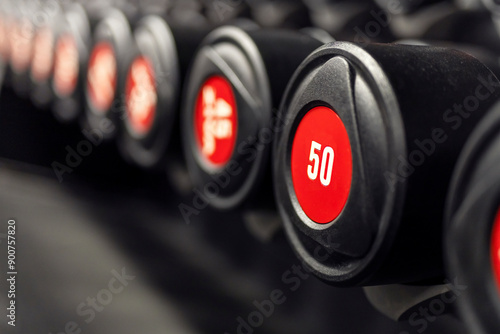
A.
x: 325, y: 173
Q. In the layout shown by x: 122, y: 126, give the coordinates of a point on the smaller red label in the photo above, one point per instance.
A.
x: 140, y: 95
x: 66, y: 65
x: 495, y: 249
x: 321, y: 165
x: 101, y: 76
x: 216, y: 121
x: 41, y: 66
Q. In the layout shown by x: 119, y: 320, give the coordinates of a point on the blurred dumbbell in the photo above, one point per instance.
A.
x: 279, y: 13
x: 72, y: 47
x: 5, y: 23
x: 21, y: 34
x: 485, y: 56
x: 405, y: 6
x: 362, y: 165
x: 469, y: 4
x: 154, y: 73
x: 359, y: 20
x: 228, y: 116
x: 4, y: 26
x: 105, y: 76
x: 182, y: 11
x: 47, y: 23
x: 491, y: 5
x: 73, y: 44
x: 472, y: 232
x: 467, y: 27
x: 412, y: 19
x: 221, y: 12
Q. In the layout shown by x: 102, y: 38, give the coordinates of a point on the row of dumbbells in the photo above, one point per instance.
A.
x: 382, y: 159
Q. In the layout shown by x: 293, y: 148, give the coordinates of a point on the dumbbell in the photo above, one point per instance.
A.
x: 472, y: 230
x: 113, y: 48
x: 279, y: 13
x: 233, y: 89
x: 72, y: 47
x: 491, y: 5
x: 190, y: 10
x: 225, y: 12
x: 363, y: 161
x: 404, y: 6
x: 4, y: 40
x: 105, y: 76
x: 22, y: 30
x: 474, y: 27
x: 485, y: 56
x: 48, y: 16
x: 359, y: 21
x: 469, y: 4
x: 4, y: 30
x: 150, y: 135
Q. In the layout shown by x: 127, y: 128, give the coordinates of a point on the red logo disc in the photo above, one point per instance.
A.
x: 42, y: 61
x: 66, y: 68
x: 101, y: 77
x: 495, y: 249
x: 216, y: 121
x: 140, y: 95
x: 321, y: 165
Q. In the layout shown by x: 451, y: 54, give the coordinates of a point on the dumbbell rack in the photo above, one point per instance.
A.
x: 89, y: 203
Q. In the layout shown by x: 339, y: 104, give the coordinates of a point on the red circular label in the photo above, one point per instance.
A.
x: 140, y: 95
x: 216, y: 121
x: 495, y: 249
x: 42, y: 61
x: 321, y: 165
x: 66, y: 68
x: 101, y: 76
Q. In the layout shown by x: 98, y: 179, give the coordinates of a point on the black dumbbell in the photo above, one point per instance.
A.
x: 233, y: 90
x: 150, y: 123
x: 485, y: 56
x: 225, y: 12
x: 5, y: 18
x: 362, y: 165
x: 358, y: 21
x: 4, y: 40
x: 72, y: 47
x: 47, y: 22
x: 74, y: 41
x: 292, y: 14
x: 474, y: 27
x: 113, y: 44
x: 182, y: 11
x: 472, y: 230
x: 21, y: 34
x: 405, y: 6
